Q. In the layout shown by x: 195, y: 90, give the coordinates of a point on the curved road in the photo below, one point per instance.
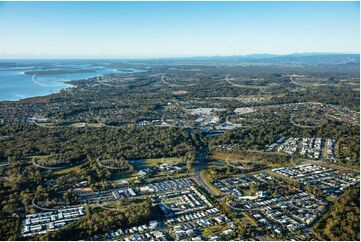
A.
x: 42, y: 208
x: 175, y: 85
x: 232, y: 83
x: 46, y: 167
x: 110, y: 167
x: 304, y: 126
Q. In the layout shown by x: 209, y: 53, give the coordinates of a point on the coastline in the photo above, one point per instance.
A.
x: 68, y: 84
x: 52, y: 85
x: 45, y: 95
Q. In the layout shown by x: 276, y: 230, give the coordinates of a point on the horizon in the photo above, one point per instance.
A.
x: 145, y: 30
x: 175, y: 57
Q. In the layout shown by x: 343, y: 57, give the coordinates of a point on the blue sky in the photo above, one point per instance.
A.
x: 160, y: 29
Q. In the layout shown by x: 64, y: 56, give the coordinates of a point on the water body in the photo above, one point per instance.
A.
x: 16, y: 85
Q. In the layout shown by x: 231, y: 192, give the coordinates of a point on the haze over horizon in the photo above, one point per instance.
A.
x: 107, y: 57
x: 176, y: 29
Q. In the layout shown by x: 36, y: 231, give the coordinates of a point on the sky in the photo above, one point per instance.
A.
x: 173, y: 29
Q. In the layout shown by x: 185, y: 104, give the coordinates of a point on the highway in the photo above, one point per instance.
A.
x: 200, y: 162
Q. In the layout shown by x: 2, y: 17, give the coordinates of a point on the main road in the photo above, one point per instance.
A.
x: 200, y: 162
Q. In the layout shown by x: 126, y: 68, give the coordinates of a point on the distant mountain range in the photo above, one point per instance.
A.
x: 295, y: 58
x: 302, y: 58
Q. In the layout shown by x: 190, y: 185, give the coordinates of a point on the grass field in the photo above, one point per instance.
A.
x: 121, y: 176
x: 141, y: 164
x: 41, y: 157
x: 246, y: 160
x: 216, y: 163
x: 224, y: 156
x: 92, y: 125
x: 46, y: 125
x: 74, y: 169
x: 216, y: 229
x: 207, y: 180
x: 170, y: 107
x: 70, y: 169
